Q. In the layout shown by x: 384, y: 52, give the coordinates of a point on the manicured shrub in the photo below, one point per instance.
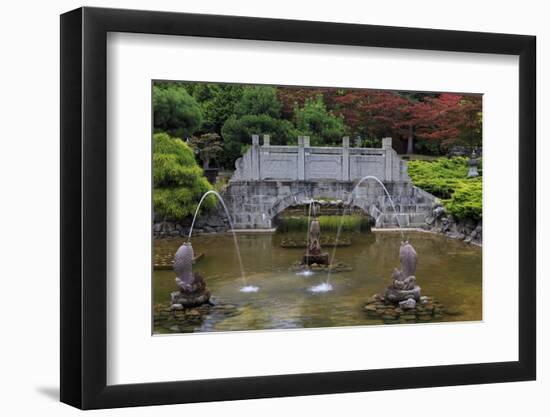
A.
x: 447, y: 178
x: 466, y: 201
x: 178, y: 182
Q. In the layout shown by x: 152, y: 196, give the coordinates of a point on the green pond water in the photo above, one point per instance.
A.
x: 448, y: 270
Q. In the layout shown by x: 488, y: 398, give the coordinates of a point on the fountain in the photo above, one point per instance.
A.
x: 403, y: 289
x: 365, y: 178
x: 291, y: 301
x: 401, y: 302
x: 192, y: 290
x: 190, y: 305
x: 292, y: 242
x: 314, y: 254
x: 314, y: 258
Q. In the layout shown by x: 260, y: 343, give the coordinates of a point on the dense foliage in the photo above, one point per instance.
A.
x: 175, y: 111
x: 447, y: 179
x: 213, y: 123
x: 427, y: 122
x: 258, y: 112
x: 424, y: 122
x: 178, y: 182
x: 237, y: 133
x: 259, y: 100
x: 314, y: 120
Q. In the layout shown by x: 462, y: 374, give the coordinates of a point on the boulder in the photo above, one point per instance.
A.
x: 395, y: 295
x: 407, y: 304
x: 438, y: 212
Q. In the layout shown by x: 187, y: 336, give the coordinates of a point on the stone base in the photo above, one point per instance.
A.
x: 320, y: 259
x: 395, y: 296
x: 315, y: 267
x: 191, y: 294
x: 180, y: 298
x: 425, y: 311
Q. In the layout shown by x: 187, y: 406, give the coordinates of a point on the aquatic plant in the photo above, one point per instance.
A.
x: 350, y: 223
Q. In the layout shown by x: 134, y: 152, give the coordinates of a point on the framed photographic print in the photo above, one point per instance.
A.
x: 257, y: 207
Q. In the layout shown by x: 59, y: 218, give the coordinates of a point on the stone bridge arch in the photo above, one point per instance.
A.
x: 269, y: 179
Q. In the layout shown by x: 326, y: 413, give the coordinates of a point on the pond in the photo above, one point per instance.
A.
x: 448, y: 270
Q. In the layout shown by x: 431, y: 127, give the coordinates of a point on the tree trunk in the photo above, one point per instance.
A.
x: 410, y: 142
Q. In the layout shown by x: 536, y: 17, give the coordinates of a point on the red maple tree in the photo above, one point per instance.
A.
x: 445, y: 118
x: 450, y: 118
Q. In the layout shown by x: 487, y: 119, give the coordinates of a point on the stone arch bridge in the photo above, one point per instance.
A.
x: 268, y: 179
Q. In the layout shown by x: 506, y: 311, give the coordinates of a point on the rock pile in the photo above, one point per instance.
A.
x: 428, y: 309
x: 179, y: 319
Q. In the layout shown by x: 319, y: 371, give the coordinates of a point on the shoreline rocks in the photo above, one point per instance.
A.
x: 176, y: 318
x: 469, y: 230
x: 212, y: 221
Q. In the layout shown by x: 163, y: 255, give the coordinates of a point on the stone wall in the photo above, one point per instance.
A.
x: 254, y: 204
x: 213, y: 221
x: 437, y: 220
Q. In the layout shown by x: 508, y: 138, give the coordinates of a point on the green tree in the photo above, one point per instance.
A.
x: 237, y: 133
x: 216, y: 100
x: 218, y: 104
x: 175, y: 111
x: 259, y: 100
x: 258, y: 112
x: 314, y: 120
x: 208, y: 146
x: 178, y: 182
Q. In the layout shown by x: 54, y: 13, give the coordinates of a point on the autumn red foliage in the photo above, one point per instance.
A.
x: 444, y: 118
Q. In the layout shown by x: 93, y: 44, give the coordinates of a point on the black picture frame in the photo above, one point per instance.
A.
x: 84, y: 207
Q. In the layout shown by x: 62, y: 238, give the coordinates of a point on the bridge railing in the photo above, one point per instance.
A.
x: 312, y: 163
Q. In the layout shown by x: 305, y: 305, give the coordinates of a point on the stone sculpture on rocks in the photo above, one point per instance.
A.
x: 192, y: 290
x: 403, y: 287
x: 314, y: 254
